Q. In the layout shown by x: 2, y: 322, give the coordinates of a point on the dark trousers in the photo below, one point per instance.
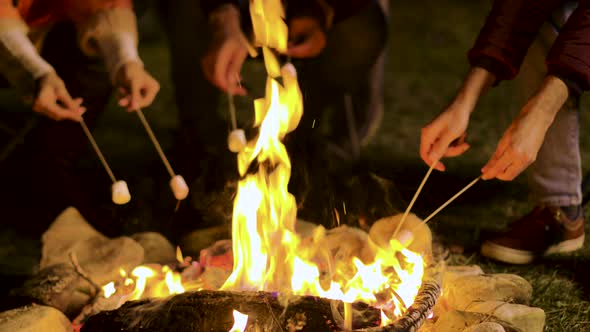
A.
x: 41, y: 178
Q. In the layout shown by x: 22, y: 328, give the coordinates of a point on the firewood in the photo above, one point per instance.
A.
x: 212, y: 311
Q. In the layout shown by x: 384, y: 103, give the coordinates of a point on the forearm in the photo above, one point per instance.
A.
x: 20, y: 62
x: 208, y: 6
x: 548, y: 100
x: 477, y: 82
x: 111, y: 33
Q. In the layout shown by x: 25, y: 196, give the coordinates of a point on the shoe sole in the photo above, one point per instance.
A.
x: 515, y: 256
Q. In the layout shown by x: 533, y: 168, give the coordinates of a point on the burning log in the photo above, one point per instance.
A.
x: 212, y: 311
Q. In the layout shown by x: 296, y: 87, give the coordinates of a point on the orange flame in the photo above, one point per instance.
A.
x: 268, y: 254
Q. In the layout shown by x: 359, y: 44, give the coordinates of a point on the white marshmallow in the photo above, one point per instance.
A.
x: 290, y: 68
x: 179, y: 187
x: 405, y: 237
x: 120, y: 193
x: 236, y: 141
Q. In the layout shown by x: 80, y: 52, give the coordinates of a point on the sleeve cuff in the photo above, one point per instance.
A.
x: 111, y: 33
x: 21, y: 64
x: 575, y: 88
x: 117, y: 50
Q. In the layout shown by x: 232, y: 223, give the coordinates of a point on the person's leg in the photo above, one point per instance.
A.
x: 201, y: 129
x: 556, y: 223
x: 200, y: 152
x: 47, y: 160
x: 343, y: 68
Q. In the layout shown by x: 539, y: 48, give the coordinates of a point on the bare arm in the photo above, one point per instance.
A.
x: 445, y: 135
x: 519, y: 145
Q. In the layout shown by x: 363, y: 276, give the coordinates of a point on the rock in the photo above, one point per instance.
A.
x: 192, y: 243
x: 343, y: 243
x: 382, y: 230
x: 58, y: 286
x: 453, y: 272
x: 521, y: 316
x: 459, y: 321
x: 218, y: 255
x: 456, y: 321
x: 428, y: 326
x: 156, y: 248
x: 485, y: 327
x: 449, y: 275
x: 34, y: 319
x: 67, y: 229
x: 463, y: 291
x: 100, y: 257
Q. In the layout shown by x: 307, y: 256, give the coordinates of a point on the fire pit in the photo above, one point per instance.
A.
x: 212, y: 311
x: 281, y: 279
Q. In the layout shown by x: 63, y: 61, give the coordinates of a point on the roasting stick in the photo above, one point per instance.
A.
x: 405, y: 215
x: 236, y: 140
x: 119, y: 190
x: 450, y: 200
x: 232, y: 111
x: 177, y: 183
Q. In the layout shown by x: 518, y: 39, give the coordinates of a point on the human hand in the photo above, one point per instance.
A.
x: 445, y: 135
x: 519, y: 145
x: 307, y: 39
x: 137, y: 88
x: 224, y: 59
x: 516, y: 150
x: 54, y: 101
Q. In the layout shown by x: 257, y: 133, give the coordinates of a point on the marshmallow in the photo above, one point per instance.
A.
x: 179, y: 187
x: 405, y: 237
x: 236, y: 141
x: 120, y: 192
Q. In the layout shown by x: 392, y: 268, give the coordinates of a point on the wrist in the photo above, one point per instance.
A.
x: 549, y: 99
x: 227, y: 16
x: 118, y: 50
x: 474, y: 86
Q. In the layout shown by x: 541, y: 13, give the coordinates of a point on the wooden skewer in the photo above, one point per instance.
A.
x: 450, y: 200
x: 232, y: 110
x: 152, y: 136
x: 97, y: 150
x: 405, y: 215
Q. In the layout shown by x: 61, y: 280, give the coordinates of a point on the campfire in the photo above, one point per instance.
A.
x: 277, y: 273
x: 346, y: 265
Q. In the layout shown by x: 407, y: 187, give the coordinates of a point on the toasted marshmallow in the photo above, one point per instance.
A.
x: 236, y: 141
x: 179, y: 187
x: 120, y: 193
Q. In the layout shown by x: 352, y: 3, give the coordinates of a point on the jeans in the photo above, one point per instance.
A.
x: 555, y: 177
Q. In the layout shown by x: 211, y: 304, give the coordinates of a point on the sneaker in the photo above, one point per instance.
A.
x: 546, y: 230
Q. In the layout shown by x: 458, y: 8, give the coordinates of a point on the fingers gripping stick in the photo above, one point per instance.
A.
x: 119, y: 190
x: 177, y: 183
